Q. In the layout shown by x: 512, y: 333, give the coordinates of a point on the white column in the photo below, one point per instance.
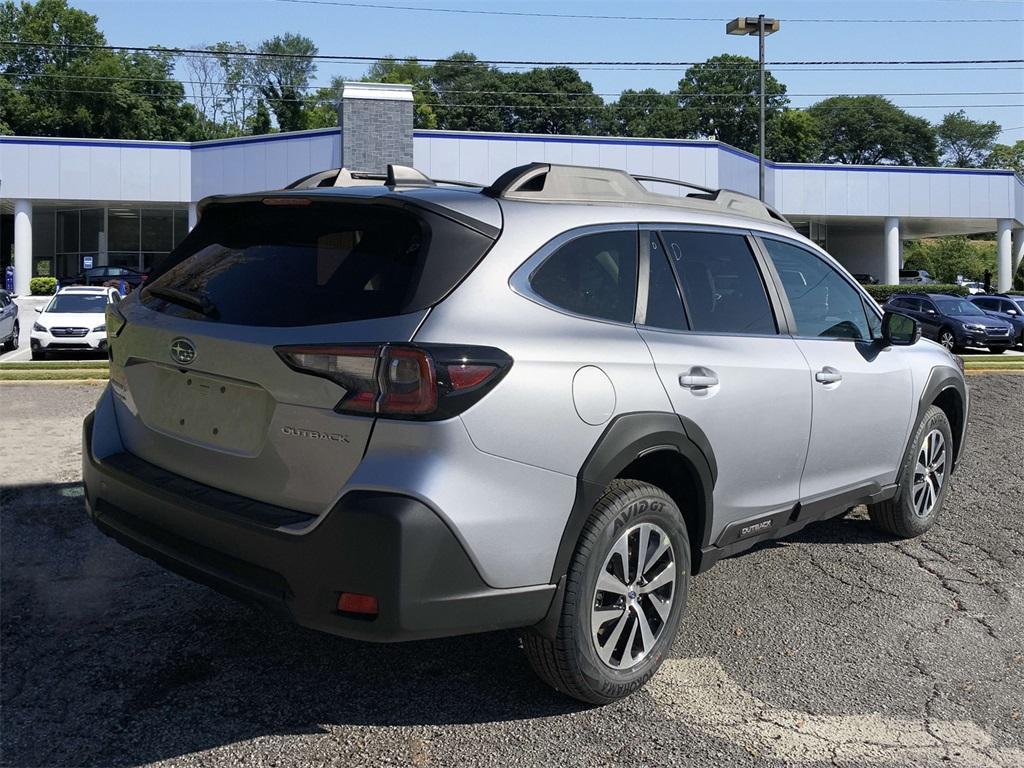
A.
x: 1003, y: 260
x: 892, y: 251
x: 1017, y: 250
x: 193, y: 216
x: 22, y: 246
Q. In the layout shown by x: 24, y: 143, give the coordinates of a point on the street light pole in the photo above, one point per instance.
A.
x: 760, y: 69
x: 762, y: 27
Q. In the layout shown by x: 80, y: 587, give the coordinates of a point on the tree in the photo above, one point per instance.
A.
x: 794, y: 136
x: 948, y: 258
x: 965, y: 143
x: 1007, y: 156
x: 69, y: 90
x: 241, y: 91
x: 470, y: 96
x: 649, y: 113
x: 259, y: 123
x: 554, y: 100
x: 872, y: 130
x: 284, y: 71
x: 722, y: 97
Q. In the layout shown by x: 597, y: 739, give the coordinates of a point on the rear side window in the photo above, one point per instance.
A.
x: 326, y: 262
x: 593, y: 275
x: 722, y: 287
x: 824, y: 304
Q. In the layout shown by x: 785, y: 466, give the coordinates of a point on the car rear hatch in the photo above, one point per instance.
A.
x: 199, y: 360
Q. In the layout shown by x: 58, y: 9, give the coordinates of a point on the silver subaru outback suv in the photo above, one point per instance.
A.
x: 393, y: 408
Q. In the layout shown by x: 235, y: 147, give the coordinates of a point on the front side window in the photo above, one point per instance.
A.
x: 593, y: 275
x: 722, y: 287
x: 824, y: 304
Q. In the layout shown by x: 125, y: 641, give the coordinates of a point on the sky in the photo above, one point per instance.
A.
x: 985, y: 94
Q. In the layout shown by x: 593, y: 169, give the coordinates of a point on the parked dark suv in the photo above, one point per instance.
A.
x: 954, y: 321
x: 1009, y: 309
x: 109, y: 275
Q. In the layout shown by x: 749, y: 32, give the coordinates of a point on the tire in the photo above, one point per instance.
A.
x: 12, y: 343
x: 38, y: 354
x: 900, y: 515
x: 997, y: 350
x: 948, y: 339
x: 572, y: 663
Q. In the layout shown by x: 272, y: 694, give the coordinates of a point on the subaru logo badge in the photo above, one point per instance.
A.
x: 183, y: 351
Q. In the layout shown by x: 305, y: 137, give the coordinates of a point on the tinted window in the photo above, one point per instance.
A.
x: 274, y: 265
x: 874, y: 321
x: 664, y: 306
x: 824, y: 304
x: 722, y: 288
x: 78, y: 302
x: 593, y: 275
x: 984, y: 303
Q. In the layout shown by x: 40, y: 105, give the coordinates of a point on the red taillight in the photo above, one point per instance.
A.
x: 403, y: 381
x: 351, y: 602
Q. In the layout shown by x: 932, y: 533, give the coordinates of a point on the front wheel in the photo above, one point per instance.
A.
x: 625, y: 593
x: 997, y: 350
x: 38, y: 354
x: 924, y: 480
x: 948, y: 340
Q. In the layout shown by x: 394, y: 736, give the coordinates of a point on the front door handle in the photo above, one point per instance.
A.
x: 698, y: 378
x: 828, y: 375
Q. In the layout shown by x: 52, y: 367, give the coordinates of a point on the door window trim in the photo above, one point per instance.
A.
x: 657, y: 228
x: 867, y: 303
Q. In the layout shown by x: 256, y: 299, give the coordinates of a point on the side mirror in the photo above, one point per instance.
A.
x: 39, y: 310
x: 899, y: 330
x: 1012, y: 312
x: 931, y: 311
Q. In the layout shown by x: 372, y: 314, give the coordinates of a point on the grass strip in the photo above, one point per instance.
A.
x: 71, y: 374
x: 55, y: 365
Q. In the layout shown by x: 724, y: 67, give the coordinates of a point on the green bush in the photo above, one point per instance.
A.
x: 947, y: 258
x: 43, y: 286
x: 882, y: 293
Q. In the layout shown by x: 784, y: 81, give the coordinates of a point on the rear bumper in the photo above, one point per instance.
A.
x: 390, y: 546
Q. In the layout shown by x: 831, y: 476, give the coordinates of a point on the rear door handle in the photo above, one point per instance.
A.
x: 828, y: 375
x: 698, y: 378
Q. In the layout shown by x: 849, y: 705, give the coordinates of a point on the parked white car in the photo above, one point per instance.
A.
x: 75, y: 319
x: 975, y: 288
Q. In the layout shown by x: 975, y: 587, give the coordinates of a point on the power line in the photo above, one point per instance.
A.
x: 602, y: 17
x: 539, y: 63
x: 487, y: 105
x: 573, y: 94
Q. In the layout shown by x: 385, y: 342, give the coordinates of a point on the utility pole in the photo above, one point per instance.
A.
x: 762, y: 27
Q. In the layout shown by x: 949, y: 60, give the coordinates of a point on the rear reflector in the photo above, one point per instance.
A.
x: 351, y: 602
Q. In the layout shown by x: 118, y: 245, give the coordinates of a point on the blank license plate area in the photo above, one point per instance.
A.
x: 209, y: 410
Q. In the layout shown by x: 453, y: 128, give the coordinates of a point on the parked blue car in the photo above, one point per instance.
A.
x: 1007, y: 308
x: 953, y: 321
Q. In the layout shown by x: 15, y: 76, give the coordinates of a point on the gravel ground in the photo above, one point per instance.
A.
x: 836, y: 647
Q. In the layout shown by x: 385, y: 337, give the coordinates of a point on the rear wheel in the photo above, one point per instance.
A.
x: 625, y: 594
x: 924, y: 480
x: 997, y: 350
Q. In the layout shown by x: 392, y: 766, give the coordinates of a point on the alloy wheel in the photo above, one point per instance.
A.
x: 633, y: 597
x: 947, y: 340
x: 929, y: 473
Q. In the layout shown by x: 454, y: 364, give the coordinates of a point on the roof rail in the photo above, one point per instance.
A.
x: 397, y: 176
x: 546, y: 182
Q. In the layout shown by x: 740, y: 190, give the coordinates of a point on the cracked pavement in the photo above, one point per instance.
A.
x: 838, y: 646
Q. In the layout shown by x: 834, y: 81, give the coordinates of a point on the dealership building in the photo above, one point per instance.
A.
x: 69, y: 203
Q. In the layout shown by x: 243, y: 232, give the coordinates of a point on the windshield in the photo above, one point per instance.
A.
x: 958, y: 307
x: 91, y: 303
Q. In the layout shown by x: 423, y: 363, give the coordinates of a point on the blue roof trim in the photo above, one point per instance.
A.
x: 708, y: 144
x: 99, y: 143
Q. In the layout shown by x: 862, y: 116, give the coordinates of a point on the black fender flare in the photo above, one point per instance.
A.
x: 942, y: 378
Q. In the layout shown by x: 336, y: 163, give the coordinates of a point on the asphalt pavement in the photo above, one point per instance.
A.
x: 839, y: 646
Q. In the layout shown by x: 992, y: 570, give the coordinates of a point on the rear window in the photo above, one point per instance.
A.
x: 326, y: 262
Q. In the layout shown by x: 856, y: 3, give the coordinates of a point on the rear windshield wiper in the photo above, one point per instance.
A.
x: 197, y: 301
